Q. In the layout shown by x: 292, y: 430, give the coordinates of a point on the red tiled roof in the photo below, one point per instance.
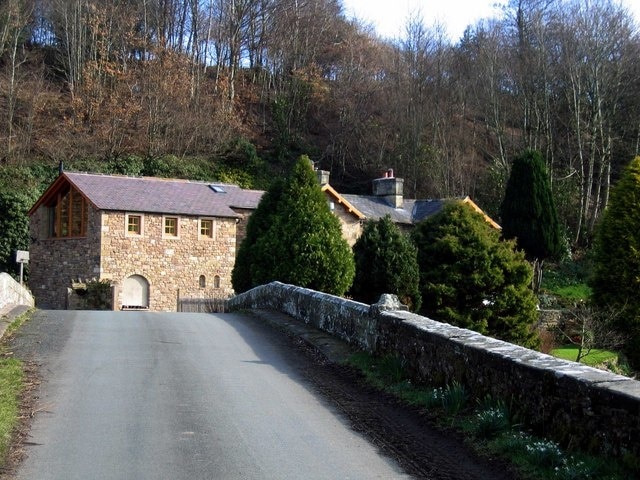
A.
x: 157, y: 195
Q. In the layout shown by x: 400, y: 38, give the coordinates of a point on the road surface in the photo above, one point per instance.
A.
x: 139, y: 395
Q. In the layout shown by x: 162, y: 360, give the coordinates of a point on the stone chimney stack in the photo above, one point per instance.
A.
x: 323, y: 177
x: 389, y: 188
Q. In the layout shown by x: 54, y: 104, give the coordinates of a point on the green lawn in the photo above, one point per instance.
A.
x: 595, y: 357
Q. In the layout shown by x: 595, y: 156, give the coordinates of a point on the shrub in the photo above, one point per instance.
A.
x: 469, y: 277
x: 386, y: 262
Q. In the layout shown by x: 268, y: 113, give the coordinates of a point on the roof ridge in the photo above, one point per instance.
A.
x: 160, y: 179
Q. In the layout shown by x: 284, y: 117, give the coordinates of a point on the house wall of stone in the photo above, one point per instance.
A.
x: 55, y: 262
x: 172, y: 266
x: 351, y: 226
x: 241, y: 224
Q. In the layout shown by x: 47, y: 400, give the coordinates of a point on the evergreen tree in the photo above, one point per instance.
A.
x: 471, y: 278
x: 259, y: 222
x: 528, y: 212
x: 616, y: 280
x: 303, y: 245
x: 386, y: 262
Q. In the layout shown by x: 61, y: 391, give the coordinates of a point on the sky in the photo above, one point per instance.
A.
x: 389, y: 16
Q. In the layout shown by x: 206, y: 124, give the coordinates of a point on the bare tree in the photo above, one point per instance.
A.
x: 590, y: 329
x: 592, y: 64
x: 16, y: 19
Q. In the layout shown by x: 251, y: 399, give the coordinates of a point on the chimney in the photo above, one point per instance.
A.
x: 389, y: 188
x: 323, y: 177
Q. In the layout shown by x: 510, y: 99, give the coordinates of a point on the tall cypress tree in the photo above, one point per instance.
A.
x: 528, y: 212
x: 303, y: 245
x: 616, y: 280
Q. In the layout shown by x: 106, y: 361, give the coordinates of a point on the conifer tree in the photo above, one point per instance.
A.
x: 259, y: 222
x: 471, y: 278
x: 528, y: 212
x: 303, y: 245
x: 616, y: 279
x: 386, y: 262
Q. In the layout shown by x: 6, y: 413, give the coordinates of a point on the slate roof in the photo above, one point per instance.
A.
x: 157, y: 195
x: 412, y: 211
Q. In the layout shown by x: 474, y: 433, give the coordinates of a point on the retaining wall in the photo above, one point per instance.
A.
x: 576, y: 405
x: 11, y: 292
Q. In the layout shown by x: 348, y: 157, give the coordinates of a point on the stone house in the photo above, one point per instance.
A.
x: 158, y: 240
x: 386, y: 199
x: 154, y: 239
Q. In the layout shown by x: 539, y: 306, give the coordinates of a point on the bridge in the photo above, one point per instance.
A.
x: 565, y: 401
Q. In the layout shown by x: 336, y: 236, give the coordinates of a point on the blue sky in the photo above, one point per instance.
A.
x: 389, y: 16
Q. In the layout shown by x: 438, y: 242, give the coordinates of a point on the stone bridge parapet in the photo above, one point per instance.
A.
x: 569, y: 402
x: 12, y: 293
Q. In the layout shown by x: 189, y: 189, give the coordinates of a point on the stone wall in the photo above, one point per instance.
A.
x: 55, y: 262
x: 351, y: 225
x: 12, y: 293
x: 172, y: 266
x: 569, y: 402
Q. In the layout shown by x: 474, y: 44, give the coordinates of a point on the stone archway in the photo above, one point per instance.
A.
x: 135, y: 293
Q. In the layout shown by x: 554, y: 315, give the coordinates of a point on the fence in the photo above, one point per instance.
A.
x: 214, y: 304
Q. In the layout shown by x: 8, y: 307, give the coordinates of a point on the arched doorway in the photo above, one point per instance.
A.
x: 135, y: 292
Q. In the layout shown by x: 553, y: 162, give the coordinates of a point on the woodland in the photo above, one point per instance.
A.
x: 231, y: 82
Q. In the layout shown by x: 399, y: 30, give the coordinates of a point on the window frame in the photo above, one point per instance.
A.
x: 128, y: 232
x: 65, y: 207
x: 201, y: 236
x: 164, y: 227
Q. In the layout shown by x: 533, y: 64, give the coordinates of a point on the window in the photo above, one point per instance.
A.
x: 216, y: 281
x: 170, y: 226
x: 202, y: 281
x: 206, y: 228
x: 68, y: 215
x: 134, y: 225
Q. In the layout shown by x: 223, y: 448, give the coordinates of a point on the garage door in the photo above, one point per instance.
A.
x: 135, y: 293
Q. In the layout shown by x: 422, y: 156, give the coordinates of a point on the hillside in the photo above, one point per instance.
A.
x: 237, y: 90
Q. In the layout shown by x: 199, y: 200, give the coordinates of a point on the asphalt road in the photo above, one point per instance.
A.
x: 138, y: 395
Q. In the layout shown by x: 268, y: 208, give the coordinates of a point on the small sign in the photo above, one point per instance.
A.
x: 22, y: 256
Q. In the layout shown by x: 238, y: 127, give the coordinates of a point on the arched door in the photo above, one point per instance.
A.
x: 135, y: 292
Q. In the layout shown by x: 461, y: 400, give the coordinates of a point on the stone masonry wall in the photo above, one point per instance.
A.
x: 12, y: 293
x: 172, y: 266
x: 55, y: 262
x: 351, y: 226
x: 569, y: 402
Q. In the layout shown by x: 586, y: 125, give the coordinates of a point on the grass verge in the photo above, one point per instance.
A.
x: 12, y: 377
x: 11, y: 382
x: 490, y: 426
